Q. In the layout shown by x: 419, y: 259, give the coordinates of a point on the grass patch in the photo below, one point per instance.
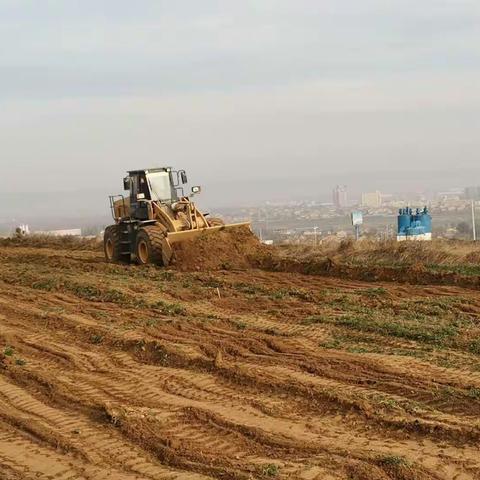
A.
x: 360, y: 350
x: 465, y: 269
x: 95, y: 294
x: 392, y: 461
x: 271, y: 470
x: 292, y: 293
x: 166, y: 275
x: 96, y: 339
x: 333, y: 344
x: 47, y: 284
x: 169, y: 308
x: 474, y: 346
x: 313, y: 320
x: 433, y: 334
x: 248, y: 288
x: 8, y: 351
x: 211, y: 282
x: 374, y: 292
x: 474, y: 393
x: 430, y: 331
x: 388, y: 403
x: 151, y: 322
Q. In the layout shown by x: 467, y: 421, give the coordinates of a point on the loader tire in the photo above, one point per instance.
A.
x: 112, y: 245
x: 215, y: 222
x: 148, y: 247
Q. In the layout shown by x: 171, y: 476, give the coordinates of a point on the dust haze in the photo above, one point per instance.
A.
x: 256, y: 100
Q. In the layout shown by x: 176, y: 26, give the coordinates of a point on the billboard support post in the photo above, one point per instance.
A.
x: 474, y: 227
x: 357, y: 220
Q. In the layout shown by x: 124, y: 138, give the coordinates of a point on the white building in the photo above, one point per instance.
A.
x: 73, y: 232
x: 372, y: 199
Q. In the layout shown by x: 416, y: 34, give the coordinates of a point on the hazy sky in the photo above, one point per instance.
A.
x: 237, y: 90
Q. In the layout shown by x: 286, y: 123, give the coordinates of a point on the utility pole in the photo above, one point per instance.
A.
x: 474, y: 228
x: 315, y: 235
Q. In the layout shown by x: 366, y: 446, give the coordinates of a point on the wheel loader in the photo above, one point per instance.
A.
x: 155, y: 215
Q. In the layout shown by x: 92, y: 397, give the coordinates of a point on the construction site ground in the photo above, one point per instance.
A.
x: 126, y: 372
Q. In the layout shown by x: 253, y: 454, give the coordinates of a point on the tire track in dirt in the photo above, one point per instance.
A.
x: 195, y: 396
x: 413, y: 388
x: 143, y: 395
x: 76, y: 434
x: 348, y: 378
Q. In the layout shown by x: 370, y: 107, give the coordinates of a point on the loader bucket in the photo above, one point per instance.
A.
x: 186, y: 235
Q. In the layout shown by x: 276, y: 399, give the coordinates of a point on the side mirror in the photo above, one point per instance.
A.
x: 196, y: 189
x: 183, y: 176
x: 126, y: 183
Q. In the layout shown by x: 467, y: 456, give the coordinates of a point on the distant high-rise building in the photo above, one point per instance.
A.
x: 372, y: 199
x: 340, y: 198
x: 472, y: 193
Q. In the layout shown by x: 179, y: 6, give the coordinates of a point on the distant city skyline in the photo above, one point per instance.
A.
x: 79, y: 210
x: 256, y: 100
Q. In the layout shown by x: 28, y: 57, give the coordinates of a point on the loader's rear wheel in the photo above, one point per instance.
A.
x: 112, y: 245
x: 148, y: 248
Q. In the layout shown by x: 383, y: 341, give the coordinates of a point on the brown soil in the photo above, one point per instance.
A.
x: 126, y: 372
x: 227, y: 249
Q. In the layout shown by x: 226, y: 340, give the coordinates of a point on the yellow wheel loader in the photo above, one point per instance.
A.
x: 154, y: 216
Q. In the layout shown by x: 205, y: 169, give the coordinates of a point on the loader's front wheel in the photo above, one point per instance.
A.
x: 112, y: 245
x: 148, y: 247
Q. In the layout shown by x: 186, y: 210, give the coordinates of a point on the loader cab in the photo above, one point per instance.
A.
x: 154, y: 184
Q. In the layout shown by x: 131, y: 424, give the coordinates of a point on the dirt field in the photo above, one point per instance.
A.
x: 122, y: 372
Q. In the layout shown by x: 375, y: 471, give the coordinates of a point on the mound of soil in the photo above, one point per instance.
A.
x: 231, y: 249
